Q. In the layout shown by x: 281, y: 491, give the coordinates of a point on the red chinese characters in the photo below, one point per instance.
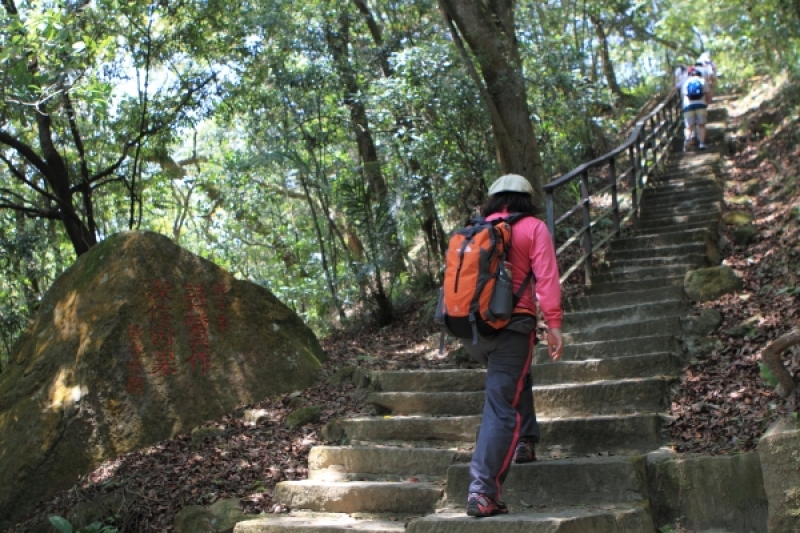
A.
x: 162, y: 335
x: 220, y: 299
x: 135, y: 369
x: 196, y: 319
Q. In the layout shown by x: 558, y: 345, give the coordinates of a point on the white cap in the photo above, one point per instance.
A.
x: 511, y: 183
x: 705, y: 57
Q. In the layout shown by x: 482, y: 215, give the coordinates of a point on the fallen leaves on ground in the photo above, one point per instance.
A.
x: 722, y: 404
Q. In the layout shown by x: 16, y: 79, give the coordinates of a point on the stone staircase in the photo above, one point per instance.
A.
x: 601, y: 408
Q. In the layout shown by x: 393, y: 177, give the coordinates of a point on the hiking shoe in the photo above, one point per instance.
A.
x: 525, y: 452
x: 481, y: 505
x: 701, y: 146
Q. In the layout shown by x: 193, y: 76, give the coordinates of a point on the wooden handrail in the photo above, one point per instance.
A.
x: 644, y: 149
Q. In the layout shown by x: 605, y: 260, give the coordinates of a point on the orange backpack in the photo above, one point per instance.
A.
x: 477, y: 295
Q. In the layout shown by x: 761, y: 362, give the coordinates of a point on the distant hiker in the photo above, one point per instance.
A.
x: 680, y: 76
x: 706, y: 72
x: 710, y: 71
x: 509, y: 429
x: 695, y: 108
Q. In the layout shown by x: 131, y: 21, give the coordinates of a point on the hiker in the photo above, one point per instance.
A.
x: 695, y: 108
x: 509, y: 428
x: 680, y: 76
x: 710, y: 71
x: 705, y: 72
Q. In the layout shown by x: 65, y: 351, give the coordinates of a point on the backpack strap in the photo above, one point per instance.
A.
x: 521, y: 290
x: 512, y: 219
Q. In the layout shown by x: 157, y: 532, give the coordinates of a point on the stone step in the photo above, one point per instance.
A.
x: 597, y: 349
x: 583, y: 481
x: 667, y: 207
x: 618, y: 351
x: 668, y: 197
x: 387, y: 463
x: 712, y: 226
x: 687, y: 170
x: 614, y: 368
x: 706, y: 177
x: 701, y: 206
x: 717, y: 113
x: 325, y: 523
x: 621, y: 286
x: 580, y: 320
x: 610, y: 301
x: 672, y: 185
x: 632, y: 433
x: 567, y: 399
x: 695, y: 260
x: 651, y: 222
x: 603, y: 397
x: 430, y: 403
x: 683, y: 208
x: 453, y: 380
x: 701, y: 210
x: 358, y: 496
x: 681, y: 182
x: 663, y: 239
x: 692, y: 160
x: 629, y: 330
x: 607, y: 519
x: 651, y: 203
x: 624, y: 274
x: 657, y: 251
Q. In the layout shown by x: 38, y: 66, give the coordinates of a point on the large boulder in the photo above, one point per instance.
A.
x: 706, y: 284
x: 136, y: 342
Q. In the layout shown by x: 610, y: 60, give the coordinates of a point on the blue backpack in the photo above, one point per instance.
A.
x: 694, y: 89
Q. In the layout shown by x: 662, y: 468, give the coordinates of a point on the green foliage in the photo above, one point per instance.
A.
x: 64, y: 526
x: 232, y: 128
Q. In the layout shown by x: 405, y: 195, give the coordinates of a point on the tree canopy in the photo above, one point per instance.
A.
x: 323, y: 148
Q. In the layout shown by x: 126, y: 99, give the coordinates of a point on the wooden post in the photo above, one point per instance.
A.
x: 635, y: 157
x: 612, y: 175
x: 587, y: 224
x: 551, y: 215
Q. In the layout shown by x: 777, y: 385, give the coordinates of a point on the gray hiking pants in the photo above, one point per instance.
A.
x: 508, y: 411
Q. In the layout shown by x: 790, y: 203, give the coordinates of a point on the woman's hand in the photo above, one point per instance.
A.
x: 555, y: 343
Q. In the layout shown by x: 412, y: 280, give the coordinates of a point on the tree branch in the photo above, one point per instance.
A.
x: 148, y: 132
x: 11, y: 9
x: 25, y: 151
x: 771, y: 356
x: 17, y: 173
x: 643, y: 34
x: 52, y: 214
x: 76, y: 136
x: 176, y: 168
x: 471, y: 70
x: 377, y: 36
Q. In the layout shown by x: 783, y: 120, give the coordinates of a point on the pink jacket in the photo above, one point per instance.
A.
x: 532, y: 248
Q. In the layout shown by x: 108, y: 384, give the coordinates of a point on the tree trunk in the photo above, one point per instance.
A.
x: 338, y: 44
x: 489, y: 32
x: 608, y: 66
x: 57, y: 178
x: 431, y: 224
